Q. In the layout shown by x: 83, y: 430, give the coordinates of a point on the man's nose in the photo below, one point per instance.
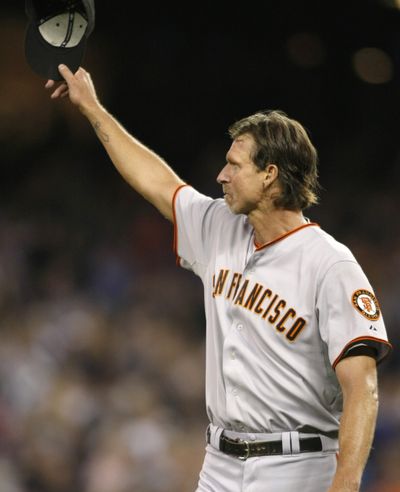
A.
x: 222, y: 176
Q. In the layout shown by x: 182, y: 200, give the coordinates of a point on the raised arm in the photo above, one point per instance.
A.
x: 358, y: 379
x: 142, y: 168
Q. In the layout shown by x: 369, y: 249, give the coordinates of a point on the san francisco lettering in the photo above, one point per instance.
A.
x: 260, y: 300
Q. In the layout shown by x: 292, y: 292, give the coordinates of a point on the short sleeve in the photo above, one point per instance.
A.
x: 196, y: 219
x: 349, y: 313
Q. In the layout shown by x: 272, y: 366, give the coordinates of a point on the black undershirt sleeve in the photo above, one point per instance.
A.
x: 361, y: 350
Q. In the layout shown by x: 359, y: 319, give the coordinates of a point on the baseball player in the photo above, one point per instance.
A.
x: 294, y: 329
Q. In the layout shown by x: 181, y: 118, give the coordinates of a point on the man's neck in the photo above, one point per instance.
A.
x: 270, y: 225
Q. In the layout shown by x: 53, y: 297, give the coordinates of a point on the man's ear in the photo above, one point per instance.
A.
x: 271, y: 174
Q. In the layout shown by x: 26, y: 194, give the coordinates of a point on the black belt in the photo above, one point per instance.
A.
x: 245, y: 449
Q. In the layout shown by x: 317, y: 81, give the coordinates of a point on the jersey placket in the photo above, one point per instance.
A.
x: 233, y: 368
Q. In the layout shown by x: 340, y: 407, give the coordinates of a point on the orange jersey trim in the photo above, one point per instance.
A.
x: 175, y: 241
x: 360, y: 339
x: 285, y: 235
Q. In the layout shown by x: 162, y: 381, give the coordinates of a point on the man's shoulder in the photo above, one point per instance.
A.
x: 325, y: 245
x: 190, y: 197
x: 209, y: 214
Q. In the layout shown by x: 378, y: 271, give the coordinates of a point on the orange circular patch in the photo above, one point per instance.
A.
x: 367, y: 304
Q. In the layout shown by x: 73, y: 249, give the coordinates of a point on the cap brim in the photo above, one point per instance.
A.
x: 45, y: 58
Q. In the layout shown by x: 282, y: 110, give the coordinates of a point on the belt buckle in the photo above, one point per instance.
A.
x: 247, y: 453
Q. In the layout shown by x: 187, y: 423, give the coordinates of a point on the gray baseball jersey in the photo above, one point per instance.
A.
x: 279, y: 318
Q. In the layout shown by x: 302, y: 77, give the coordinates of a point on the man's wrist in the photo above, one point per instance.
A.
x: 345, y: 484
x: 91, y: 109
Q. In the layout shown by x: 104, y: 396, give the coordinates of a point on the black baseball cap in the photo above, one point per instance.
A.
x: 57, y: 33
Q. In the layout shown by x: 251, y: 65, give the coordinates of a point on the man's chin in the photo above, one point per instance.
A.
x: 232, y: 208
x: 231, y: 205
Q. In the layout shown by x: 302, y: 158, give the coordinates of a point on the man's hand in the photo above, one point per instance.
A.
x: 79, y: 87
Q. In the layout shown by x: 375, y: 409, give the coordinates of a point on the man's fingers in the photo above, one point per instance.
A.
x: 70, y: 86
x: 60, y: 90
x: 65, y: 72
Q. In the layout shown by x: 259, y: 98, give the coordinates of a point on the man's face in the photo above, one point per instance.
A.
x: 241, y: 179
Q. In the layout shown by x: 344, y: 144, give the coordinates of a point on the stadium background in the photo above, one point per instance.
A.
x: 101, y: 335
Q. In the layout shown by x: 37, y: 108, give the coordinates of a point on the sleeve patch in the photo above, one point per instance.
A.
x: 366, y: 304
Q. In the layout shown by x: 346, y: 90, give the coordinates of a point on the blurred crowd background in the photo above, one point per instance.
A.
x: 101, y: 334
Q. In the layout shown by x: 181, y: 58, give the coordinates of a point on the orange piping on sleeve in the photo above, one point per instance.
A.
x: 360, y: 339
x: 175, y: 241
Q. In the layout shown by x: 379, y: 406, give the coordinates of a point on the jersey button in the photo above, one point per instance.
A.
x: 239, y: 326
x: 233, y: 354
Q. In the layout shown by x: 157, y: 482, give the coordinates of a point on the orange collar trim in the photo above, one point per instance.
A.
x: 283, y: 236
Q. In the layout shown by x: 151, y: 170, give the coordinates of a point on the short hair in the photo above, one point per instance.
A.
x: 284, y: 142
